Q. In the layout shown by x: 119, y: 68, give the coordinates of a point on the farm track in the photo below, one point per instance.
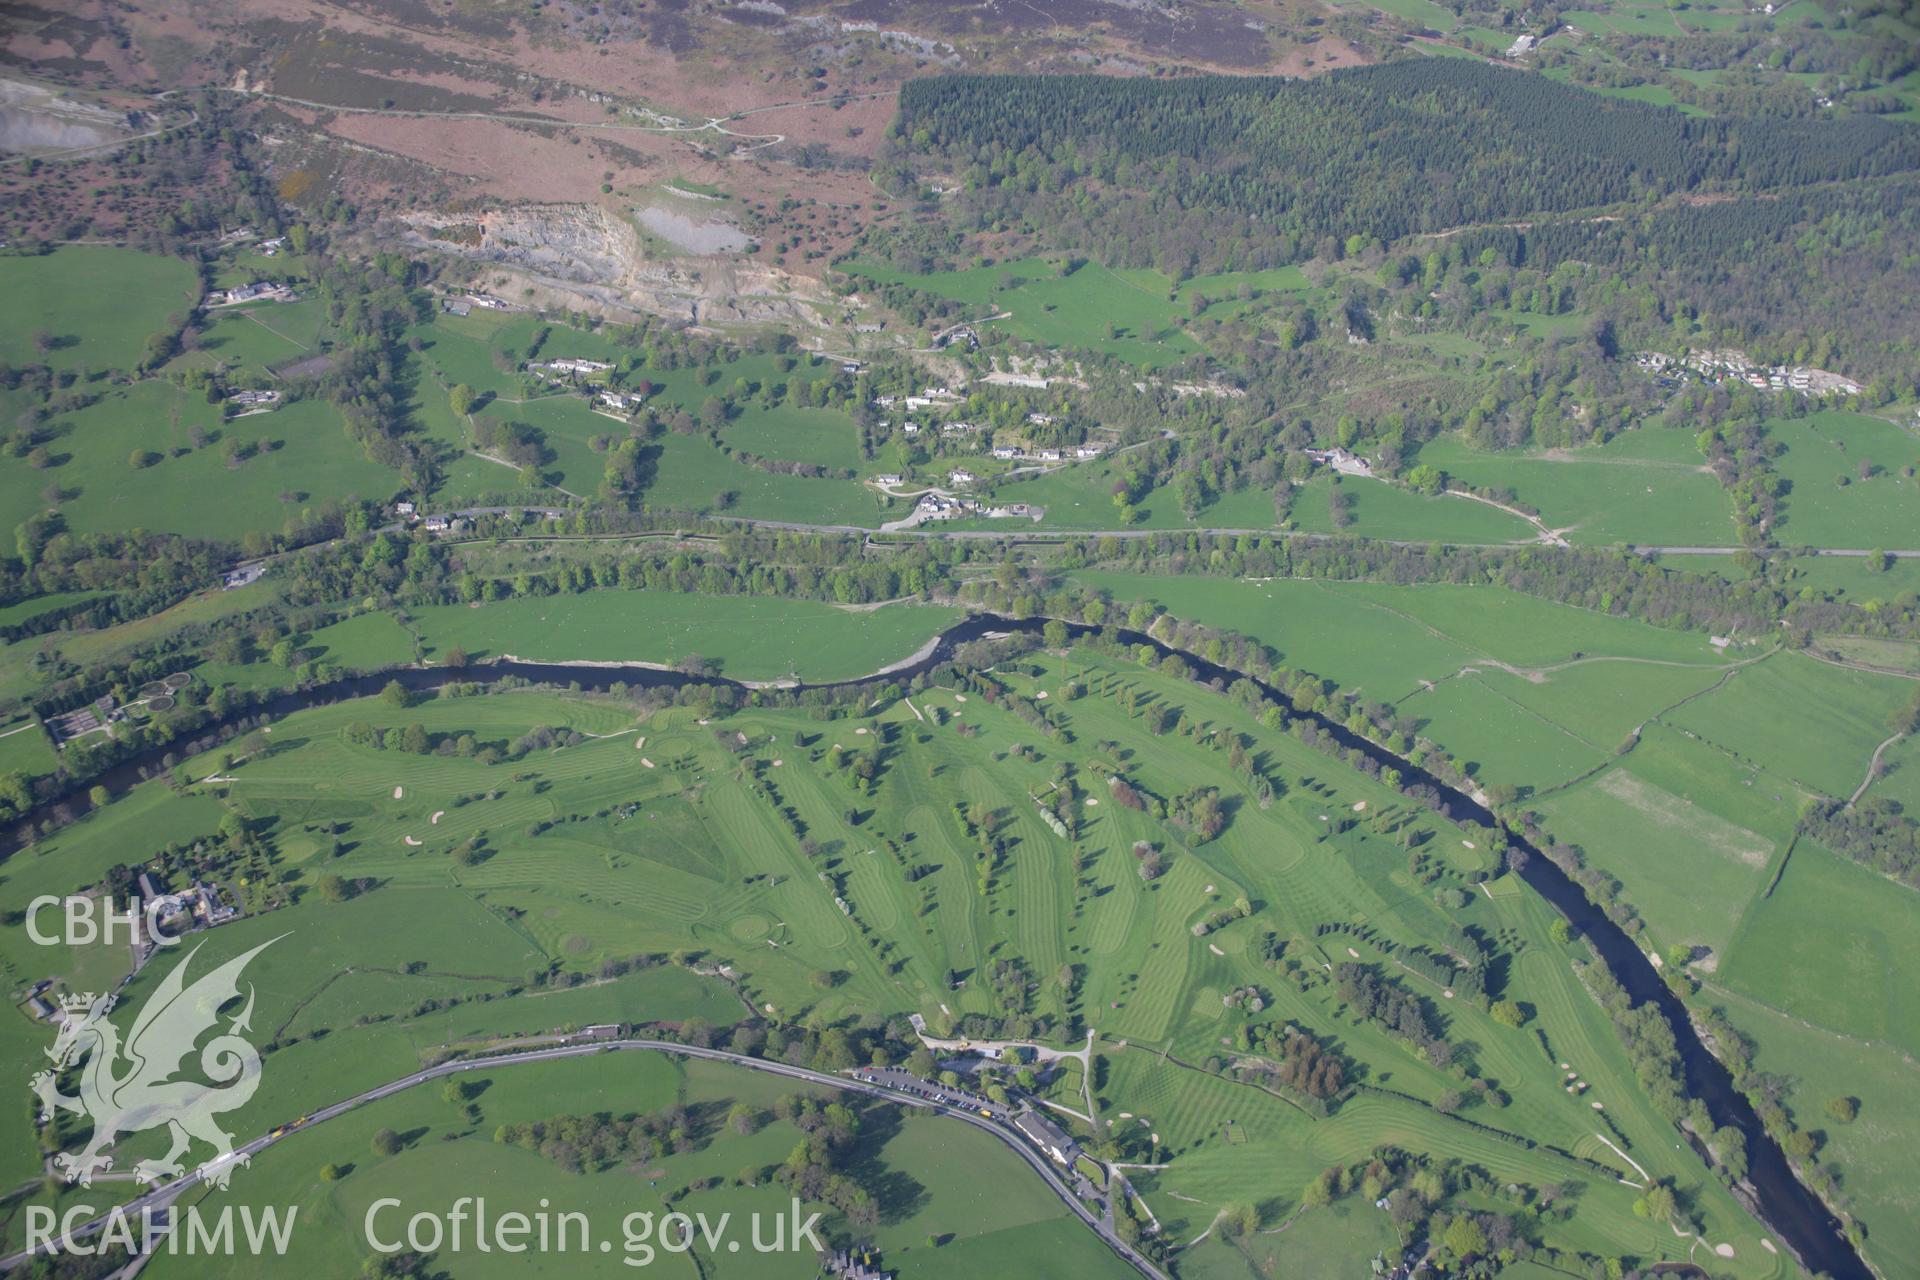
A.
x: 1873, y: 770
x: 1849, y: 664
x: 104, y: 148
x: 713, y: 124
x: 1551, y: 537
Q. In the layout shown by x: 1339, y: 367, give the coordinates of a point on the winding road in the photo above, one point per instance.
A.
x: 161, y: 1197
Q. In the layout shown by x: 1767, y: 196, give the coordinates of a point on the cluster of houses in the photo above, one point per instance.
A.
x: 857, y: 1263
x: 253, y: 401
x: 267, y: 248
x: 432, y: 524
x: 934, y: 506
x: 257, y: 291
x: 465, y: 304
x: 200, y: 907
x: 574, y: 369
x: 929, y: 398
x: 1343, y: 461
x: 943, y: 506
x: 1083, y: 452
x: 174, y: 914
x: 1734, y: 366
x: 244, y: 575
x: 946, y: 397
x: 566, y: 367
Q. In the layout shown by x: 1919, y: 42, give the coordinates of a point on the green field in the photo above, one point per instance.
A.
x: 1128, y: 314
x: 13, y: 615
x: 749, y: 637
x: 24, y: 749
x: 1874, y: 1153
x: 20, y: 674
x: 695, y: 476
x: 1649, y: 486
x: 367, y: 642
x: 1386, y: 639
x: 1810, y: 978
x: 257, y: 337
x: 1424, y: 13
x: 1535, y: 730
x: 1854, y: 579
x: 299, y: 457
x: 1822, y: 944
x: 95, y: 306
x: 797, y: 435
x: 1522, y: 690
x: 1900, y: 776
x: 245, y: 338
x: 687, y: 473
x: 1321, y: 1242
x: 1802, y: 719
x: 1693, y: 834
x: 1381, y: 510
x: 1881, y: 509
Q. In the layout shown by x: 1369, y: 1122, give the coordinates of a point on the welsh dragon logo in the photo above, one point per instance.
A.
x: 130, y: 1088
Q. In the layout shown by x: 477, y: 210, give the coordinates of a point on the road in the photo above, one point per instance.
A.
x: 160, y: 1197
x: 1812, y: 551
x: 1077, y: 534
x: 1067, y: 535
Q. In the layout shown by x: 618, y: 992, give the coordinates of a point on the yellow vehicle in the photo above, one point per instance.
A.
x: 988, y: 1114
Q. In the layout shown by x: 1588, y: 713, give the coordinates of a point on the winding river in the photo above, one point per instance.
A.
x: 1794, y: 1214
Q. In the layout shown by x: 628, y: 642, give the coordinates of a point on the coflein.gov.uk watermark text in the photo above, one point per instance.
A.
x: 469, y: 1225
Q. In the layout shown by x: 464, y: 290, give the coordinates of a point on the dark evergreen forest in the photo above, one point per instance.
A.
x: 1378, y: 152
